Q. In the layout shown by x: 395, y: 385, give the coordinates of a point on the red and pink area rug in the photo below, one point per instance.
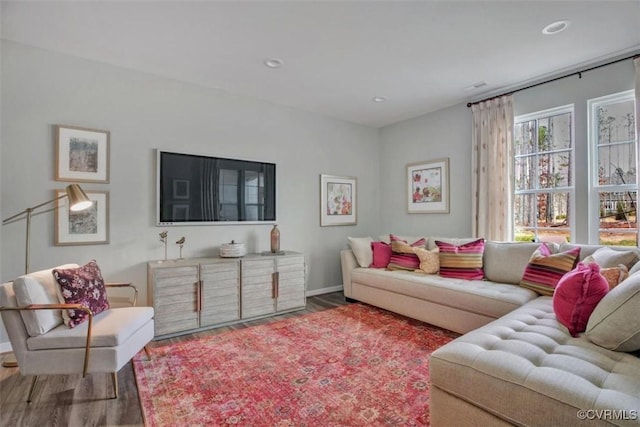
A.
x: 353, y: 365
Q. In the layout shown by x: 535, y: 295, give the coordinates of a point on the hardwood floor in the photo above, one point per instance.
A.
x: 70, y: 400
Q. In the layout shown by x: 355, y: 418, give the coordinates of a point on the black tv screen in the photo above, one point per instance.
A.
x: 197, y: 189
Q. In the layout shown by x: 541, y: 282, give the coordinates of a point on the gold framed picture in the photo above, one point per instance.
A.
x: 82, y: 154
x: 87, y: 227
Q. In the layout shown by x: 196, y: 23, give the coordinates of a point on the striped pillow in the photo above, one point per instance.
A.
x: 545, y: 269
x: 461, y: 262
x: 402, y: 255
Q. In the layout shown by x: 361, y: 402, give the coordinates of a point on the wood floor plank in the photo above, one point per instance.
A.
x: 70, y: 400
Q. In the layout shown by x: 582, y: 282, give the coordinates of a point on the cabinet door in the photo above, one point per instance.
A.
x: 175, y: 299
x: 291, y: 282
x: 220, y: 298
x: 257, y: 287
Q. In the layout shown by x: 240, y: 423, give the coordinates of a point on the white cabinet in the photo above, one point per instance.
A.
x: 272, y: 284
x: 219, y: 292
x: 174, y: 297
x: 194, y: 294
x: 258, y: 289
x: 290, y: 274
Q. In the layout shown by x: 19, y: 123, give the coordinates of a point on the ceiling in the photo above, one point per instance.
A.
x: 336, y: 56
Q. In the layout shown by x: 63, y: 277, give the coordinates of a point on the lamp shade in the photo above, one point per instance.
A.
x: 78, y: 199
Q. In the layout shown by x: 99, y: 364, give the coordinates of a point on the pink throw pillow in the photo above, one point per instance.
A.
x: 381, y: 254
x: 576, y: 296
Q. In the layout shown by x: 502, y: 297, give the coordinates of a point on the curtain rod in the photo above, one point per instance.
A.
x: 575, y: 73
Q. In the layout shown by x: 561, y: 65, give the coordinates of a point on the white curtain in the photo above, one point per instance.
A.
x: 492, y: 179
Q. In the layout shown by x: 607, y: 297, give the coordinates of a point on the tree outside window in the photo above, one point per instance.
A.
x: 614, y: 186
x: 543, y: 165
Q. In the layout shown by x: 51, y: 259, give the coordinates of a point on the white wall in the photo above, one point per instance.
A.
x: 145, y: 112
x: 444, y: 133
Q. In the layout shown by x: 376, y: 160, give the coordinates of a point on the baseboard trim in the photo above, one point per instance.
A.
x: 314, y: 292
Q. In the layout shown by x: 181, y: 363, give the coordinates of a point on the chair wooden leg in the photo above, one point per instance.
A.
x: 146, y: 350
x: 33, y: 386
x: 114, y: 377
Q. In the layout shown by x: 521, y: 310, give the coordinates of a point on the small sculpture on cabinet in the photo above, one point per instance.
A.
x: 163, y: 239
x: 181, y: 243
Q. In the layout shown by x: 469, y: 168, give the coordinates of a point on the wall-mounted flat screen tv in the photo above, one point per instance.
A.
x: 197, y: 190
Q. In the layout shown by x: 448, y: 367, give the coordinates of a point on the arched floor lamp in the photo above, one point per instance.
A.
x: 78, y: 201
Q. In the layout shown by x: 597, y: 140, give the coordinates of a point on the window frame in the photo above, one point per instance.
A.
x: 593, y: 140
x: 571, y: 190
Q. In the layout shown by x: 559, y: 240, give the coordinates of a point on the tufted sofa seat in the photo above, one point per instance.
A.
x: 525, y: 369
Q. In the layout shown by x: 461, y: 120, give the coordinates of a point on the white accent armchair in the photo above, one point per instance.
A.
x: 44, y: 345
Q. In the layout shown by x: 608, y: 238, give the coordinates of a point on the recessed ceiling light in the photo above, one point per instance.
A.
x: 475, y: 86
x: 379, y: 99
x: 273, y: 62
x: 555, y: 27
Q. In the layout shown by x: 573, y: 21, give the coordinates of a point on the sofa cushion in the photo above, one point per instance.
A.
x: 82, y: 285
x: 615, y: 323
x: 39, y: 288
x: 545, y: 269
x: 577, y: 294
x: 606, y: 257
x: 361, y: 247
x: 505, y: 262
x: 586, y: 250
x: 461, y: 261
x: 429, y: 260
x: 476, y: 296
x: 110, y: 328
x: 635, y: 268
x: 529, y: 370
x: 381, y: 254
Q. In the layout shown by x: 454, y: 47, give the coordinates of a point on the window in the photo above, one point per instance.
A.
x: 543, y: 199
x: 613, y: 182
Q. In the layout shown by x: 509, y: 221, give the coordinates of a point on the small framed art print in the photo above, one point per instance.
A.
x: 338, y: 200
x: 428, y: 186
x: 82, y: 154
x: 86, y: 227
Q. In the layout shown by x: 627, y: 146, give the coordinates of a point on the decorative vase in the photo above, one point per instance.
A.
x: 275, y: 239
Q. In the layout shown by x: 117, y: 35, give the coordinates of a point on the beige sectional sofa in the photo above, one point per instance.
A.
x: 515, y: 364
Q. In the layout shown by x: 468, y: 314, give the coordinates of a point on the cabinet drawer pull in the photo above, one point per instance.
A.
x: 273, y: 285
x: 198, y: 296
x: 276, y: 284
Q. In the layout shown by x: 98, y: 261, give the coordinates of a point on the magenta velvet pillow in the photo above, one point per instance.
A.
x: 83, y: 285
x: 576, y: 296
x: 381, y: 254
